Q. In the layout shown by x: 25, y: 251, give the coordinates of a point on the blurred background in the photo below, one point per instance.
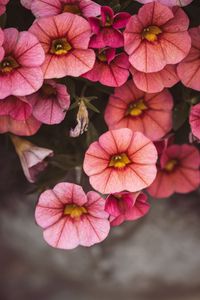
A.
x: 157, y: 257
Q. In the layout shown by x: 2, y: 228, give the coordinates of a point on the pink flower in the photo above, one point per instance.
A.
x: 168, y: 2
x: 156, y: 37
x: 120, y: 160
x: 20, y: 72
x: 3, y: 4
x: 150, y: 114
x: 126, y: 206
x: 179, y: 171
x: 156, y: 81
x: 26, y: 3
x: 1, y: 43
x: 70, y: 218
x: 189, y: 68
x: 110, y: 69
x: 50, y: 103
x: 32, y: 157
x: 194, y: 120
x: 65, y: 41
x: 86, y: 8
x: 106, y: 28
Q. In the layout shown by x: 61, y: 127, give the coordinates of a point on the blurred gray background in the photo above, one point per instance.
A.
x: 157, y: 257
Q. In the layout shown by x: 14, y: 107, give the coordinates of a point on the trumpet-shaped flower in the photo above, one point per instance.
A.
x: 109, y: 69
x: 70, y: 217
x: 32, y: 157
x: 120, y: 160
x: 105, y: 29
x: 85, y: 8
x: 156, y: 81
x: 65, y: 40
x: 20, y: 72
x: 168, y: 2
x: 156, y: 37
x: 189, y: 68
x: 150, y: 114
x: 50, y: 103
x: 195, y: 120
x: 126, y: 206
x: 178, y: 171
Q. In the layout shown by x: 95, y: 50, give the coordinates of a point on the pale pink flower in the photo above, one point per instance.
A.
x: 70, y: 217
x: 85, y: 8
x: 50, y: 103
x: 20, y: 72
x: 189, y: 69
x: 120, y: 160
x: 1, y: 43
x: 154, y: 34
x: 65, y: 40
x: 194, y: 120
x: 32, y: 157
x: 168, y: 2
x: 110, y: 69
x: 132, y: 108
x: 126, y: 206
x: 3, y: 4
x: 178, y: 171
x: 26, y: 3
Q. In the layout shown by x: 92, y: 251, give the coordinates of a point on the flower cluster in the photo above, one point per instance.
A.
x: 135, y: 58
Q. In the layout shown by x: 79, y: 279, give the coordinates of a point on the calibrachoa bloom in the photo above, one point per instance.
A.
x: 168, y: 2
x: 189, y: 68
x: 179, y: 171
x: 32, y: 157
x: 3, y: 4
x: 20, y: 72
x: 126, y: 206
x: 26, y: 3
x: 70, y: 217
x: 110, y: 69
x: 65, y: 41
x: 106, y: 28
x: 155, y: 82
x: 86, y: 8
x: 120, y: 160
x: 150, y: 114
x: 195, y: 120
x: 156, y: 37
x: 50, y: 103
x: 1, y: 42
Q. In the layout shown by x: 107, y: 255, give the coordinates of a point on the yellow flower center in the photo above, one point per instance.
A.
x: 102, y: 56
x: 72, y: 8
x: 170, y: 165
x: 8, y: 64
x: 60, y: 47
x: 74, y: 211
x: 119, y: 161
x: 136, y: 108
x: 48, y: 90
x: 151, y: 33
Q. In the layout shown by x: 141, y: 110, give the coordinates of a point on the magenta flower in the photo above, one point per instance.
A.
x: 50, y: 103
x: 26, y: 3
x: 65, y: 41
x: 20, y: 72
x: 178, y: 172
x: 194, y: 120
x: 168, y: 2
x: 156, y: 37
x: 85, y: 8
x: 126, y: 206
x: 150, y: 114
x: 189, y: 68
x: 70, y: 218
x: 156, y: 81
x: 3, y: 4
x: 32, y: 157
x: 110, y: 69
x: 105, y: 29
x: 120, y: 160
x: 1, y: 43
